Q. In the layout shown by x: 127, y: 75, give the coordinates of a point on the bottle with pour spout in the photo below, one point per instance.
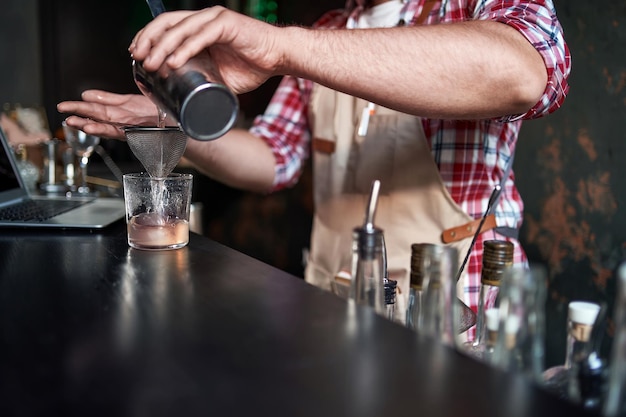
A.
x: 368, y: 260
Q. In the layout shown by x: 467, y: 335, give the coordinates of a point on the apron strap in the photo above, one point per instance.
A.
x: 466, y: 230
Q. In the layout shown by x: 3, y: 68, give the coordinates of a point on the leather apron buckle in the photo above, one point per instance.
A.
x: 454, y: 234
x: 323, y: 145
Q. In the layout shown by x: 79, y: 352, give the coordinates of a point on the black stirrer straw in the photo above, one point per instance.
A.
x: 492, y: 199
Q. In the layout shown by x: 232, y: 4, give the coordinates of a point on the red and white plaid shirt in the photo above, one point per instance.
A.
x: 472, y: 156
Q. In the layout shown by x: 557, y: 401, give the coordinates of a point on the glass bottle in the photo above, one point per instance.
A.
x: 29, y: 172
x: 369, y: 259
x: 367, y: 286
x: 416, y: 275
x: 561, y: 379
x: 440, y: 266
x: 520, y: 339
x: 491, y: 320
x: 590, y: 381
x: 497, y: 257
x: 615, y: 403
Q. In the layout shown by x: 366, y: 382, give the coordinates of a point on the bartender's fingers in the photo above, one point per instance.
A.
x: 87, y: 110
x: 148, y: 45
x: 117, y: 105
x: 93, y: 104
x: 104, y: 97
x: 92, y: 127
x: 152, y: 32
x: 241, y: 47
x: 199, y: 31
x: 172, y: 46
x: 81, y: 108
x: 120, y: 109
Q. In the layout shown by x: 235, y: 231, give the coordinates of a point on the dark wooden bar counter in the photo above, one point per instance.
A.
x: 90, y: 327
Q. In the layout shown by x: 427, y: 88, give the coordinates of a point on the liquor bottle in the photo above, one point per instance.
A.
x: 414, y: 308
x: 440, y: 306
x: 592, y: 377
x: 29, y: 172
x: 562, y: 379
x: 367, y: 269
x: 491, y: 320
x: 615, y: 402
x: 497, y: 257
x: 369, y: 259
x: 521, y: 330
x: 590, y: 386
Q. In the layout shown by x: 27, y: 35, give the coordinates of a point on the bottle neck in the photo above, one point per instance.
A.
x: 578, y: 338
x: 487, y: 300
x: 497, y: 257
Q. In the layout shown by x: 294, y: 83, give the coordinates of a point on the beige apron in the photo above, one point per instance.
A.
x: 413, y: 207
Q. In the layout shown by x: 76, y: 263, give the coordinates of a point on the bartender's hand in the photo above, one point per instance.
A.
x: 103, y: 114
x: 241, y: 47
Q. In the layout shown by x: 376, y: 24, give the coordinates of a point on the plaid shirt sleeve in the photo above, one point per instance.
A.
x: 537, y: 21
x: 284, y: 125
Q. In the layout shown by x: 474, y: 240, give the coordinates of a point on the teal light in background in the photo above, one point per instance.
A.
x: 266, y: 10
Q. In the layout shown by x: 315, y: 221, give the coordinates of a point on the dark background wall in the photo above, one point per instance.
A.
x: 570, y: 169
x: 568, y: 166
x: 20, y: 53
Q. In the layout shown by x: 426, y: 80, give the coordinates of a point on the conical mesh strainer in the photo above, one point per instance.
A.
x: 159, y: 149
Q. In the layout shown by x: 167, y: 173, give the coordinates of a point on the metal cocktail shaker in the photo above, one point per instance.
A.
x: 194, y: 95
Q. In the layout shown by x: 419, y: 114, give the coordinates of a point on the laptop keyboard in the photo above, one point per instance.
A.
x: 37, y: 210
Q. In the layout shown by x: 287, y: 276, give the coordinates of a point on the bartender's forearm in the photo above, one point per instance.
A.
x: 237, y: 159
x: 475, y: 69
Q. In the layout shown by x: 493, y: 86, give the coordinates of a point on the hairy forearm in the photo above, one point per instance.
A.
x: 464, y: 70
x: 237, y: 159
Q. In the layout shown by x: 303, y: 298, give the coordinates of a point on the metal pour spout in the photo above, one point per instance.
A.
x: 372, y: 204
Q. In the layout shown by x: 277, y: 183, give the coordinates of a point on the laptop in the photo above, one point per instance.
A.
x: 19, y: 208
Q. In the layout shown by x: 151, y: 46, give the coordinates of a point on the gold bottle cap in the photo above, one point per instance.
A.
x: 417, y: 268
x: 497, y: 256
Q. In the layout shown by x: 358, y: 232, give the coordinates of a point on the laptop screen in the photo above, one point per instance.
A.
x: 9, y: 180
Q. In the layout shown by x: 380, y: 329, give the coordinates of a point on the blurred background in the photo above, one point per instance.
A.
x: 569, y: 166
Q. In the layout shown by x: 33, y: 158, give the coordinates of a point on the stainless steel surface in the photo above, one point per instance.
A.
x: 194, y: 95
x: 370, y: 212
x: 159, y: 149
